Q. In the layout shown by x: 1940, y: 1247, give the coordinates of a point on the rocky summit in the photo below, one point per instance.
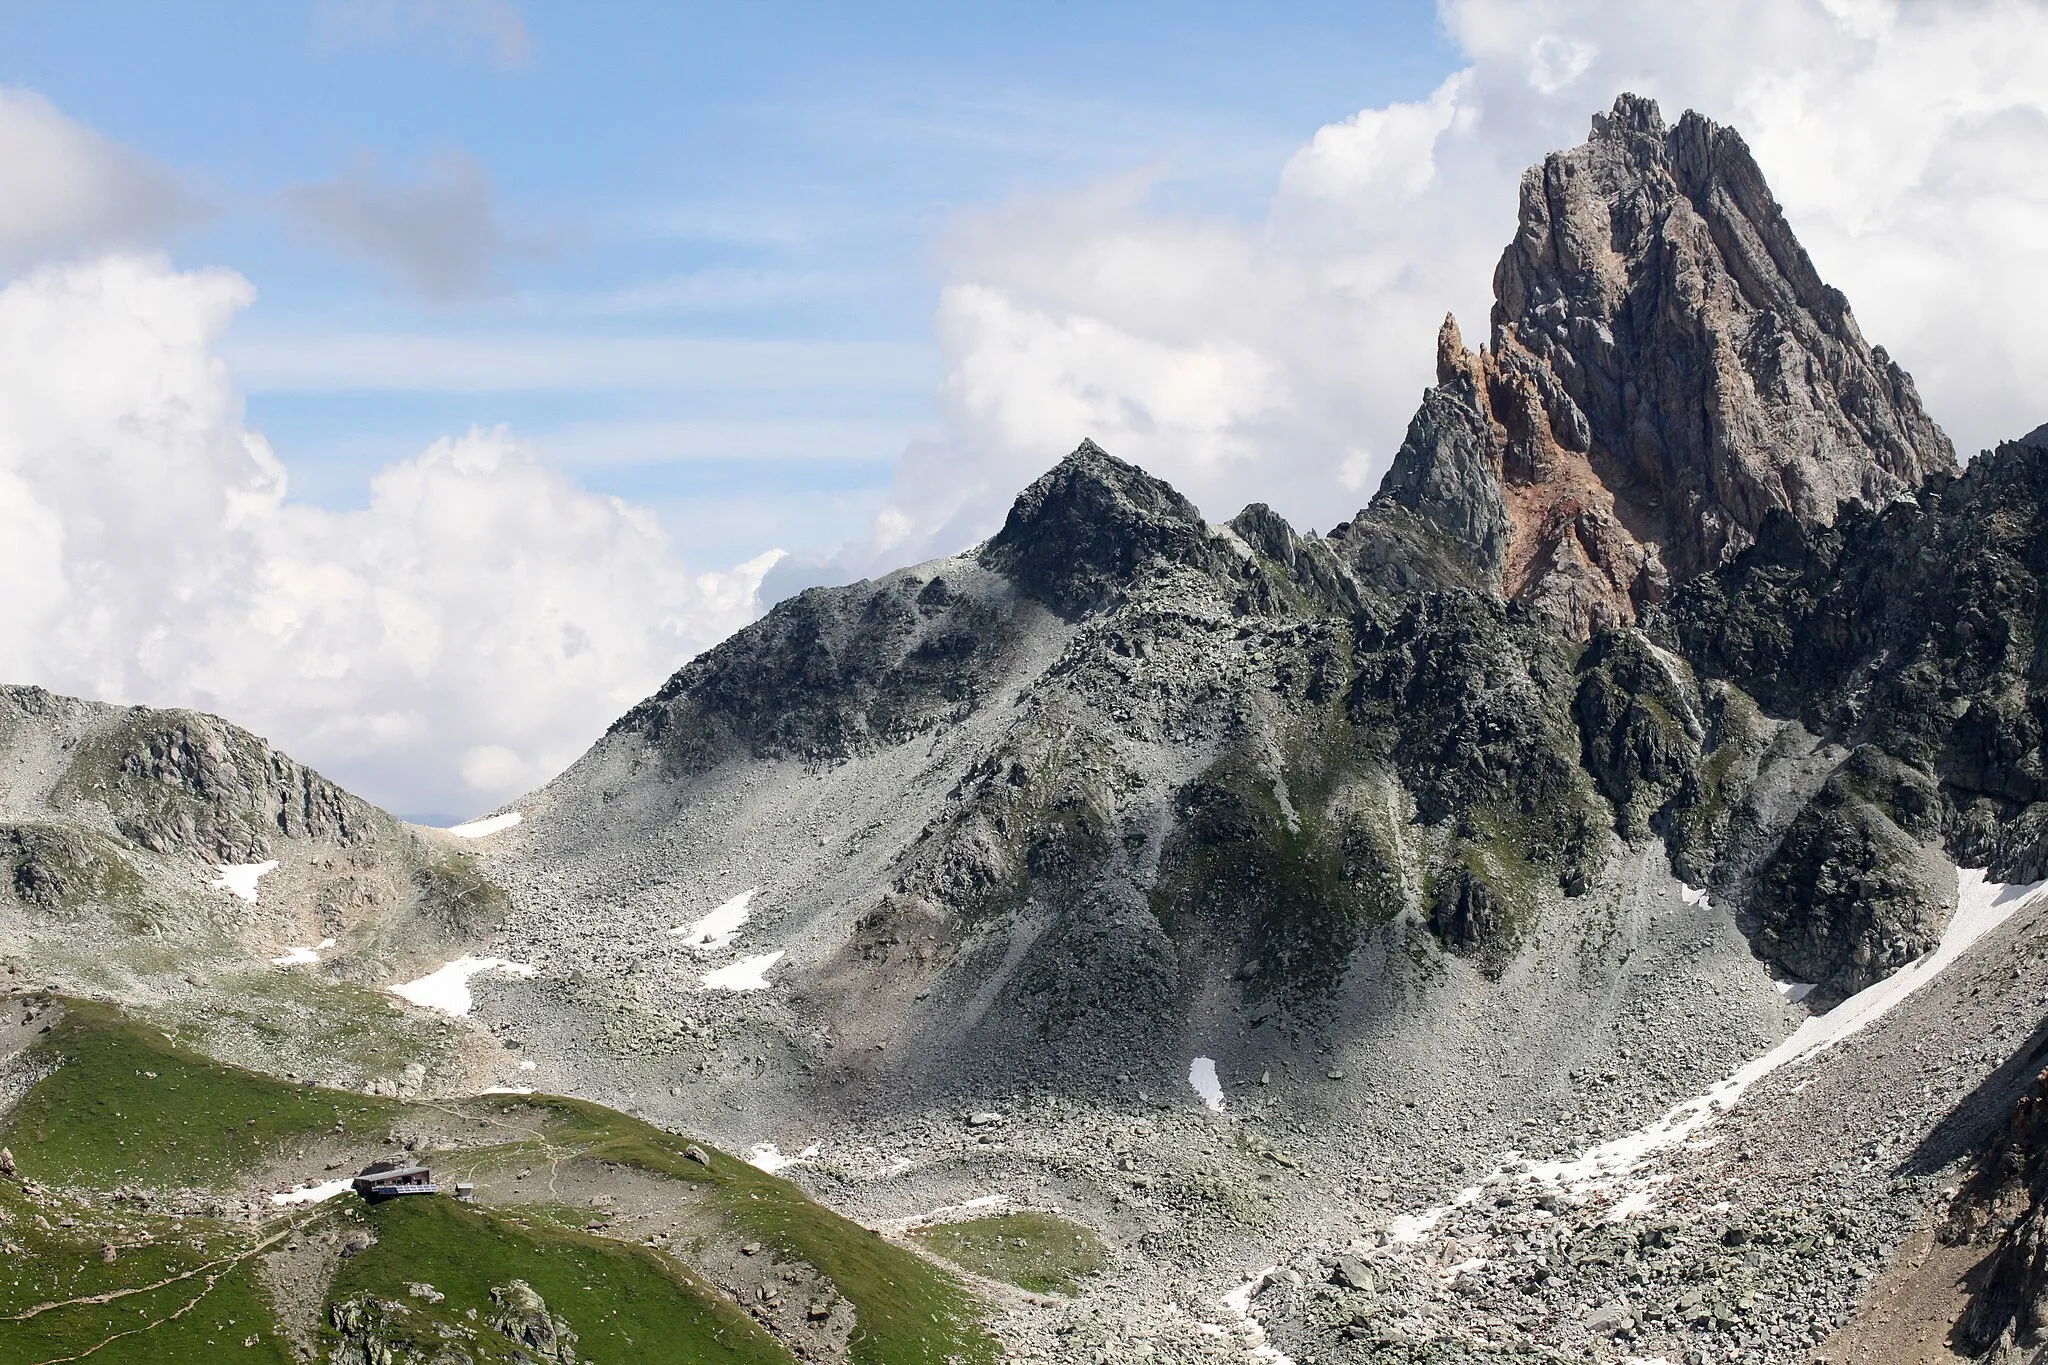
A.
x: 1588, y: 905
x: 1665, y: 368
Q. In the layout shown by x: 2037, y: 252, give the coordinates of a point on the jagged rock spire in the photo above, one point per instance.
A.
x: 1665, y: 366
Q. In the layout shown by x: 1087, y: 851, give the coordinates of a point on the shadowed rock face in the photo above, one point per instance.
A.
x: 1665, y: 367
x: 1076, y: 536
x: 2004, y: 1208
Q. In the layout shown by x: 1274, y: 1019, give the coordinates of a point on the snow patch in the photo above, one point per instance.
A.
x: 1239, y: 1302
x: 717, y: 929
x: 748, y: 974
x: 1631, y: 1204
x: 1981, y: 906
x: 303, y: 957
x: 766, y: 1156
x: 241, y: 878
x: 1413, y: 1227
x: 1202, y: 1076
x: 1691, y: 895
x: 1452, y: 1272
x: 447, y: 988
x: 313, y: 1194
x: 490, y: 824
x: 506, y: 1090
x: 1795, y: 992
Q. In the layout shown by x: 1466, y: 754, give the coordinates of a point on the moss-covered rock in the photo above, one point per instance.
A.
x: 1284, y: 893
x: 64, y: 871
x: 456, y: 896
x: 1851, y: 894
x: 1639, y: 728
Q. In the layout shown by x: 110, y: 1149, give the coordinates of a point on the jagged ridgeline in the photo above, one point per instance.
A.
x: 1677, y: 559
x: 108, y: 806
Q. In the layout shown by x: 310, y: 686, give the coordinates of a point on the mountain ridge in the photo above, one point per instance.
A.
x: 1239, y: 892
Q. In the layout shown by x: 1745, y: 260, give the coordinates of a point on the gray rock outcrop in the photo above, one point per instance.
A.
x: 1664, y: 367
x: 522, y: 1315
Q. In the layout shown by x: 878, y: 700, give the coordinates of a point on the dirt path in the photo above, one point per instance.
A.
x: 112, y: 1294
x: 1906, y: 1316
x: 211, y: 1270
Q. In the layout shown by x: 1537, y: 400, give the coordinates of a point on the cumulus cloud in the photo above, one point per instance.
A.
x: 1280, y: 361
x: 69, y: 189
x: 457, y: 641
x: 437, y: 231
x: 496, y: 27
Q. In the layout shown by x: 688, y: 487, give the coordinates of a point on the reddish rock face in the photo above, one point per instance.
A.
x: 1665, y: 366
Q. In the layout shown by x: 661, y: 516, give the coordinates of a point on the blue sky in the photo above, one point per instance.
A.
x: 702, y: 276
x: 421, y: 382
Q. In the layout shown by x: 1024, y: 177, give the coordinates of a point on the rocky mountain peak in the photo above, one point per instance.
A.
x: 1665, y: 366
x: 1083, y: 528
x: 1632, y: 114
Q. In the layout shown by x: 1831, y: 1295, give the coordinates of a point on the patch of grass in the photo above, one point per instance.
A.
x: 624, y: 1303
x: 1036, y: 1251
x: 128, y: 1107
x: 194, y: 1317
x: 335, y: 1030
x: 908, y: 1312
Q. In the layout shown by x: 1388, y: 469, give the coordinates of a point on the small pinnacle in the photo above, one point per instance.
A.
x: 1452, y: 359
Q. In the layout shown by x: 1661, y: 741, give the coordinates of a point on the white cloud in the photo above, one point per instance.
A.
x: 495, y: 26
x: 1380, y: 157
x: 438, y: 232
x: 481, y: 617
x: 1281, y: 360
x: 70, y: 189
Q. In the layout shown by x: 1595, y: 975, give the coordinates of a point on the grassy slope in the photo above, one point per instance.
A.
x: 130, y: 1108
x: 193, y: 1318
x: 623, y: 1303
x: 909, y: 1311
x: 1036, y: 1251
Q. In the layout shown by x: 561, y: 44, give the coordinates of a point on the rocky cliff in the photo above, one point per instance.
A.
x: 1664, y: 368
